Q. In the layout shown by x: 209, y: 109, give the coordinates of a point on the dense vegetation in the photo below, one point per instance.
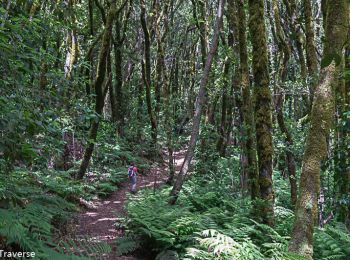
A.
x: 254, y: 93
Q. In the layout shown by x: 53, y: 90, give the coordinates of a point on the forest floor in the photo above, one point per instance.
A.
x: 100, y: 224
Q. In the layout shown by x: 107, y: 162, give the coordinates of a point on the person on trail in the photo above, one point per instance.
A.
x: 132, y: 170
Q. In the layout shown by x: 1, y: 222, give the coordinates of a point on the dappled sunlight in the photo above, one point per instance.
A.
x: 102, y: 238
x: 149, y: 185
x: 175, y: 129
x: 104, y: 219
x: 91, y: 214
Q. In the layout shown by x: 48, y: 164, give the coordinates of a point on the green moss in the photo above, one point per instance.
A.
x: 265, y: 182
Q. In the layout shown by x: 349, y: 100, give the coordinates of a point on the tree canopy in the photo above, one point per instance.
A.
x: 235, y: 112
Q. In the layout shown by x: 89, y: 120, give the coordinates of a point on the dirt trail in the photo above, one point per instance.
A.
x: 99, y: 224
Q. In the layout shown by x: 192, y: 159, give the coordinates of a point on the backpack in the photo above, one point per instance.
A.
x: 131, y: 171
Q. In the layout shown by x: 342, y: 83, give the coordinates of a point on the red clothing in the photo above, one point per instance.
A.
x: 134, y: 169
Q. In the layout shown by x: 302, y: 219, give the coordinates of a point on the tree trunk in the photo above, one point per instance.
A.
x: 118, y: 113
x: 91, y: 17
x: 162, y: 78
x: 247, y: 106
x: 200, y: 18
x: 117, y: 97
x: 146, y: 73
x: 289, y: 158
x: 72, y: 42
x: 263, y: 119
x: 160, y: 60
x: 342, y: 158
x: 201, y: 26
x: 99, y: 89
x: 311, y: 58
x: 336, y: 29
x: 198, y: 110
x: 297, y: 34
x: 222, y: 129
x: 282, y: 77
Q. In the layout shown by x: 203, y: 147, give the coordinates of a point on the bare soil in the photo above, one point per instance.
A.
x: 101, y: 223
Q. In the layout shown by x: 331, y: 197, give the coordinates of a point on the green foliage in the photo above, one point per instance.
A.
x: 169, y: 224
x: 206, y: 224
x: 114, y: 154
x: 332, y: 242
x: 127, y: 244
x: 33, y: 220
x: 36, y: 216
x: 34, y: 208
x: 282, y: 187
x: 32, y: 115
x: 104, y: 188
x: 211, y: 220
x: 215, y: 245
x: 39, y: 105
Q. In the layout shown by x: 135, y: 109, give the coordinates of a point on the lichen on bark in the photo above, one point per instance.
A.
x: 336, y: 29
x: 263, y: 120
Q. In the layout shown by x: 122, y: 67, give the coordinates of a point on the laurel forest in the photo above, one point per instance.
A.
x: 202, y: 129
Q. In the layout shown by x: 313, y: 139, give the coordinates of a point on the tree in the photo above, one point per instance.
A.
x: 342, y: 152
x: 72, y: 41
x: 336, y: 29
x: 279, y: 102
x: 311, y: 58
x: 100, y: 89
x: 146, y: 73
x: 116, y: 92
x: 248, y: 113
x: 263, y: 121
x: 198, y: 110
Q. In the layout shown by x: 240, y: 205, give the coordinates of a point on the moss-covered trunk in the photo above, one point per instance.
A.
x: 100, y: 90
x: 279, y: 101
x: 263, y: 119
x: 247, y: 105
x: 228, y: 85
x: 119, y: 104
x: 311, y: 58
x: 146, y: 73
x: 224, y: 100
x: 297, y: 34
x: 118, y: 95
x: 336, y: 29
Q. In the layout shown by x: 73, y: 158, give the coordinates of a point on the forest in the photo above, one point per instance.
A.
x: 230, y: 117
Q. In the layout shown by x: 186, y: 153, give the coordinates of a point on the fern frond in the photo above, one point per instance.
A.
x: 127, y: 244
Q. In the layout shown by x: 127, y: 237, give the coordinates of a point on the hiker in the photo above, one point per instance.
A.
x: 132, y: 170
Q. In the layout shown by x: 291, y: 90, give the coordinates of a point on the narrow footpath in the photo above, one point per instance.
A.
x: 99, y: 224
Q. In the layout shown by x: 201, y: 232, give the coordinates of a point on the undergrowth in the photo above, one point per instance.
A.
x: 216, y: 223
x: 38, y: 206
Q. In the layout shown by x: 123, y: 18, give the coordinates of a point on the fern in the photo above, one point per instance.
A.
x: 127, y: 244
x: 207, y: 223
x: 103, y: 189
x: 85, y: 247
x: 215, y: 245
x: 31, y: 215
x: 332, y: 242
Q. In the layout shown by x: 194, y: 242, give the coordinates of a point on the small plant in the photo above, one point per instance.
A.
x: 332, y: 242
